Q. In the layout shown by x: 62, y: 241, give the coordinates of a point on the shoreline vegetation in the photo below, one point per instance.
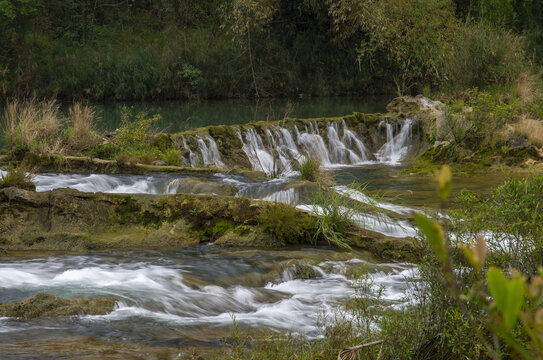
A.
x: 478, y: 289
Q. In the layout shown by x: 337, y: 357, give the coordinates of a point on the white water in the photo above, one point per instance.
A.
x: 132, y: 184
x: 210, y: 151
x: 381, y: 223
x: 397, y: 146
x: 158, y: 288
x: 193, y: 159
x: 277, y: 151
x: 361, y: 197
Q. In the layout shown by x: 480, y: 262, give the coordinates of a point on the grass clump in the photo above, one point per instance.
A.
x: 17, y: 177
x: 38, y: 127
x: 32, y: 125
x: 310, y: 169
x: 172, y: 157
x: 530, y: 129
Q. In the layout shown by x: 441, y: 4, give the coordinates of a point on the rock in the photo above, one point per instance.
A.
x: 516, y: 142
x: 159, y: 163
x: 251, y: 237
x: 45, y: 305
x: 203, y: 187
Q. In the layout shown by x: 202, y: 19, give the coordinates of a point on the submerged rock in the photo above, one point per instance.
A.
x: 45, y: 305
x: 201, y: 186
x: 249, y: 237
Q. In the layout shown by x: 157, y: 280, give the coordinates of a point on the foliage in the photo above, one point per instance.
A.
x: 497, y: 306
x: 136, y: 132
x: 310, y: 170
x: 282, y: 222
x: 172, y: 157
x: 177, y: 49
x: 511, y: 220
x: 17, y: 177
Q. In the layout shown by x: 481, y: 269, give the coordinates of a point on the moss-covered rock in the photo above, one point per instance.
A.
x: 249, y: 237
x: 45, y: 305
x: 201, y: 186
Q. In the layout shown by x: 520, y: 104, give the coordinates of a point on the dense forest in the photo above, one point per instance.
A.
x: 179, y: 49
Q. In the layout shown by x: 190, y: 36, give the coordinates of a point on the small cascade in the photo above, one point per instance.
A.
x: 313, y: 144
x: 210, y: 151
x: 276, y: 151
x: 288, y: 196
x: 257, y: 153
x: 193, y: 158
x: 342, y: 150
x: 350, y: 138
x: 396, y: 147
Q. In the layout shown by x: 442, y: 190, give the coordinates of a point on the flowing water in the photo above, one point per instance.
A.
x: 190, y: 297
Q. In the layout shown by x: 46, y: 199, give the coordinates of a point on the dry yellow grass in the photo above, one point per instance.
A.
x: 81, y: 121
x: 526, y: 87
x: 81, y: 118
x: 531, y: 129
x: 33, y: 124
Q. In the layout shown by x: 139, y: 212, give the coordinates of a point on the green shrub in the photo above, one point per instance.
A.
x: 310, y: 169
x: 17, y: 177
x: 172, y: 157
x: 136, y: 132
x: 512, y: 219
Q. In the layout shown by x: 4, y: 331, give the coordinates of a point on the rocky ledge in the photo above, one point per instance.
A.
x: 69, y: 220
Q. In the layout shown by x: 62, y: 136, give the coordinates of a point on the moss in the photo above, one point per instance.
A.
x: 220, y: 228
x: 127, y: 209
x: 162, y: 142
x: 45, y: 305
x: 288, y: 224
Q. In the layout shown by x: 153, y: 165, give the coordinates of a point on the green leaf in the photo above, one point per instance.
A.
x: 508, y: 295
x: 444, y: 177
x: 434, y: 233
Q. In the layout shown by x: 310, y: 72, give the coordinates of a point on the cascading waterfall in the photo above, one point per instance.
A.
x: 396, y: 147
x: 343, y: 148
x: 313, y: 144
x: 210, y: 151
x: 342, y: 151
x: 193, y: 158
x: 257, y: 153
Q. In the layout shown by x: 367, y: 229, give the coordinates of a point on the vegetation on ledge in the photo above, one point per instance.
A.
x: 45, y: 305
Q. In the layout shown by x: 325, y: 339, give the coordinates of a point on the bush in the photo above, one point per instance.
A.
x: 172, y: 157
x: 136, y: 132
x: 310, y: 169
x: 511, y: 219
x: 17, y: 177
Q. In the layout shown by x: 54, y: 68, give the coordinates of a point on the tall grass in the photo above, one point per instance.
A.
x: 310, y: 170
x: 81, y: 122
x: 38, y: 126
x: 32, y: 125
x: 531, y: 129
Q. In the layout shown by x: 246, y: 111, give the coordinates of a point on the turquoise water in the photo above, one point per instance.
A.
x: 178, y: 116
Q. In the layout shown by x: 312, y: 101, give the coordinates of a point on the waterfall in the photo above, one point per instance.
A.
x: 210, y: 151
x: 342, y: 151
x: 314, y: 144
x: 193, y: 158
x: 275, y: 150
x: 396, y: 147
